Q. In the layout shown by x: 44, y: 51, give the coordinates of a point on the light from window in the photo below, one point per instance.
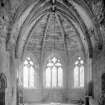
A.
x: 25, y: 77
x: 54, y: 73
x: 60, y: 77
x: 76, y: 77
x: 28, y: 74
x: 48, y: 77
x: 79, y: 73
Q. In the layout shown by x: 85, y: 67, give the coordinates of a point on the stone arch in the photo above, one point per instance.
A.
x: 28, y: 17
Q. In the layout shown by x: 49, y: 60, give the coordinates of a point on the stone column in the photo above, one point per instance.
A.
x: 90, y: 82
x: 13, y: 77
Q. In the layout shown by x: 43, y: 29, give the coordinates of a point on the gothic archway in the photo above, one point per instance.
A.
x: 3, y: 86
x: 69, y: 22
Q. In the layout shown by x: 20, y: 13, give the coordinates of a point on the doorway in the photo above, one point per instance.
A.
x: 103, y: 82
x: 3, y: 85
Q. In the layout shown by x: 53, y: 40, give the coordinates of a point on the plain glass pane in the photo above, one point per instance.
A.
x: 48, y: 77
x: 31, y: 77
x: 25, y: 77
x: 76, y: 76
x: 60, y: 77
x: 82, y: 76
x: 35, y: 79
x: 54, y: 77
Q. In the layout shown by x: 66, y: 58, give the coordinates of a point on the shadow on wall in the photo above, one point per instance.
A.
x: 101, y: 100
x: 90, y: 89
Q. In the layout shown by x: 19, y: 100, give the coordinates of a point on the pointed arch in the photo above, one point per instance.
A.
x: 3, y: 80
x: 54, y: 73
x: 79, y: 73
x: 29, y: 74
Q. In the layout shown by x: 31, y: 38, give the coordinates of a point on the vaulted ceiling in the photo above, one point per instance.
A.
x: 53, y: 32
x: 38, y: 26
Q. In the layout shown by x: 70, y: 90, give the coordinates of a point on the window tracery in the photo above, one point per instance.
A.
x: 54, y: 73
x: 29, y: 74
x: 79, y: 73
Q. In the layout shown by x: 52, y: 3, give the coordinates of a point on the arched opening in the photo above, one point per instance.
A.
x: 56, y: 34
x: 28, y: 74
x: 53, y: 73
x: 79, y: 73
x: 3, y: 86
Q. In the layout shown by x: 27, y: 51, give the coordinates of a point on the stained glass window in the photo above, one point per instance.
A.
x: 28, y: 74
x: 54, y: 73
x: 79, y: 73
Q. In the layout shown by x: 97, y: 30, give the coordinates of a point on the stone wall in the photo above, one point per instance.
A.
x: 98, y: 70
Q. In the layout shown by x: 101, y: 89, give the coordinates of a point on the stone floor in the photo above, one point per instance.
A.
x: 48, y: 104
x: 92, y: 102
x: 51, y: 104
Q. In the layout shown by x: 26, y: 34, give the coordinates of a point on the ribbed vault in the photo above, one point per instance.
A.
x: 62, y: 25
x: 53, y: 33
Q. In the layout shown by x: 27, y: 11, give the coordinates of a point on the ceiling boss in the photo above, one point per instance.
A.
x: 53, y: 5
